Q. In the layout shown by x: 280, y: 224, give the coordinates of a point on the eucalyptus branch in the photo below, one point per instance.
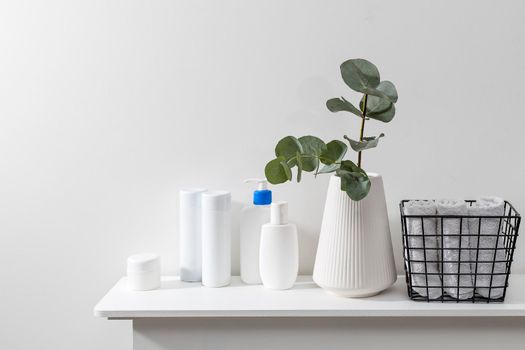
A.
x: 362, y: 129
x: 311, y: 154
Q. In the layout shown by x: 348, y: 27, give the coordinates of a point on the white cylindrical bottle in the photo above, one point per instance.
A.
x: 216, y: 238
x: 251, y: 221
x: 279, y: 252
x: 190, y: 242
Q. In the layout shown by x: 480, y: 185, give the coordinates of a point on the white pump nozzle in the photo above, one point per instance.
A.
x: 279, y: 213
x: 262, y: 184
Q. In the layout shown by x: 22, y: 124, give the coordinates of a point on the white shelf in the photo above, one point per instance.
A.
x: 180, y: 299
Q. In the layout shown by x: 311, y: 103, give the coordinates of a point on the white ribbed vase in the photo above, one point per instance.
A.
x: 354, y: 255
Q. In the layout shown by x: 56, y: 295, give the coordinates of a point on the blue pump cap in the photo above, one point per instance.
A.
x: 261, y: 196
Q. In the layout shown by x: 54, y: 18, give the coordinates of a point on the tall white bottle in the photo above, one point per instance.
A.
x: 190, y: 242
x: 279, y: 254
x: 216, y: 238
x: 252, y: 219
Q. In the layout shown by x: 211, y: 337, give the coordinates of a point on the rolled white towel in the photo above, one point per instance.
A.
x: 488, y: 206
x: 416, y: 228
x: 455, y: 235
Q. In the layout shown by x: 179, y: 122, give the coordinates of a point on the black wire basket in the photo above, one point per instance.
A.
x: 459, y: 258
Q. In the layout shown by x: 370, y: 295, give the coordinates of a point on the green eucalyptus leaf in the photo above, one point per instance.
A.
x: 389, y: 89
x: 360, y: 74
x: 299, y: 167
x: 341, y: 104
x: 374, y: 105
x: 368, y: 142
x: 335, y: 151
x: 377, y: 93
x: 287, y: 148
x: 378, y: 105
x: 312, y: 147
x: 350, y: 166
x: 309, y: 162
x: 275, y: 172
x: 355, y: 184
x: 287, y: 170
x: 384, y: 116
x: 328, y: 168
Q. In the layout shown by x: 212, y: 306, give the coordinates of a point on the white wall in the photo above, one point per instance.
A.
x: 107, y: 108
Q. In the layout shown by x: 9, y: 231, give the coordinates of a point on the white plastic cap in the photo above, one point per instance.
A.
x: 262, y: 184
x: 191, y: 196
x: 145, y: 262
x: 216, y: 200
x: 279, y: 213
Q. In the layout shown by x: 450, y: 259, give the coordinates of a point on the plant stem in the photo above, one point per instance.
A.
x: 362, y: 130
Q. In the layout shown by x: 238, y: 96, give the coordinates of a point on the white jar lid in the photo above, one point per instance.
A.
x: 216, y: 200
x: 144, y: 262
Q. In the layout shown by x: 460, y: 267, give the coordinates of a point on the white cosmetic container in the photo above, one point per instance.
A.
x: 143, y: 271
x: 190, y: 241
x: 251, y: 221
x: 216, y: 238
x: 279, y: 254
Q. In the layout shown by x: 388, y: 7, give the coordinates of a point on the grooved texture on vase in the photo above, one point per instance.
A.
x: 354, y: 255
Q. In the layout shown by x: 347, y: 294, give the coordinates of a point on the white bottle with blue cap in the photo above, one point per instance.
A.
x: 252, y: 219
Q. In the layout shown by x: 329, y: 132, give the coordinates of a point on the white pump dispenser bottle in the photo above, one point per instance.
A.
x: 252, y: 218
x: 279, y: 252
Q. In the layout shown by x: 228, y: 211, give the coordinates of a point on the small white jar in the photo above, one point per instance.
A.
x: 143, y: 271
